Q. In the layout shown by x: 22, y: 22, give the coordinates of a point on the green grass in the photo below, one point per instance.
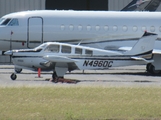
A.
x: 64, y: 103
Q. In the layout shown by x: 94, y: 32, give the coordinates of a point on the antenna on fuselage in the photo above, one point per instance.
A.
x: 79, y: 42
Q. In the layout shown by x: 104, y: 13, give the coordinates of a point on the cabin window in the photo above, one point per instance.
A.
x: 88, y: 28
x: 62, y: 27
x: 97, y: 28
x: 124, y: 28
x: 14, y: 22
x: 66, y: 49
x: 78, y: 51
x: 115, y: 28
x: 152, y: 29
x: 71, y: 27
x: 144, y: 28
x: 88, y: 52
x: 105, y: 27
x: 80, y: 27
x: 160, y: 28
x: 52, y: 48
x: 5, y: 22
x: 135, y: 28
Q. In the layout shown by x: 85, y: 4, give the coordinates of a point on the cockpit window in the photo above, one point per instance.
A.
x: 14, y: 22
x: 6, y: 21
x: 1, y: 20
x: 52, y: 48
x: 42, y: 46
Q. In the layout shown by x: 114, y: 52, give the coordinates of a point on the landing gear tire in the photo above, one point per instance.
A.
x: 54, y: 77
x: 55, y: 80
x: 18, y: 70
x: 13, y: 76
x: 151, y: 69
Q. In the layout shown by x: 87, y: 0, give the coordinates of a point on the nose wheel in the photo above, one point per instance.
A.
x: 13, y: 76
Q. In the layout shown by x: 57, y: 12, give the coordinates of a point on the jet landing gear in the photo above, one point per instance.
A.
x: 151, y: 69
x: 13, y: 76
x: 18, y: 70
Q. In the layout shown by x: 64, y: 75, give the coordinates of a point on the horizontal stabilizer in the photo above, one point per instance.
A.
x: 156, y: 51
x: 139, y: 58
x: 54, y: 58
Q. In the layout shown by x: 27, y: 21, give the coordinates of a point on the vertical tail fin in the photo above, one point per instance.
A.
x: 142, y: 5
x: 144, y: 45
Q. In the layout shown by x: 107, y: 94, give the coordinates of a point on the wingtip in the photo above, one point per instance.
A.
x: 148, y: 33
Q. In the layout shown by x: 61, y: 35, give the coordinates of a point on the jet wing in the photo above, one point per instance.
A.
x: 55, y: 58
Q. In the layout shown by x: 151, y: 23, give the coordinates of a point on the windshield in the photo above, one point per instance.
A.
x: 5, y: 21
x: 2, y: 20
x: 39, y: 48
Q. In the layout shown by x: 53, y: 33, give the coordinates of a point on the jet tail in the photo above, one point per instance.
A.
x: 144, y: 46
x: 140, y: 5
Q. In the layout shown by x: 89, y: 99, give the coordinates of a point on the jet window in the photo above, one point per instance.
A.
x: 78, y: 51
x: 5, y: 22
x: 115, y: 28
x: 105, y: 27
x: 88, y: 28
x: 14, y: 22
x: 66, y: 49
x: 97, y: 28
x: 124, y: 28
x: 52, y: 48
x: 71, y: 27
x: 160, y: 28
x: 88, y: 52
x: 152, y: 29
x: 1, y: 20
x: 144, y: 28
x: 135, y: 28
x: 80, y: 27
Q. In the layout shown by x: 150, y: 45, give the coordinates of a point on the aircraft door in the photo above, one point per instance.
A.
x: 34, y: 32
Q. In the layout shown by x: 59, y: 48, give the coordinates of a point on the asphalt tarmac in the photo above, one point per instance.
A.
x: 132, y: 76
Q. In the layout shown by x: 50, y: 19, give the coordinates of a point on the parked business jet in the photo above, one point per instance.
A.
x: 98, y: 29
x: 62, y: 57
x: 142, y: 5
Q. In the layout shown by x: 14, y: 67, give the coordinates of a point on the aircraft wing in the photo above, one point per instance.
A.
x: 142, y: 5
x: 55, y: 58
x: 139, y: 58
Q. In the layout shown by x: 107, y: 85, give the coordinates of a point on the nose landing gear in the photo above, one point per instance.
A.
x: 13, y: 76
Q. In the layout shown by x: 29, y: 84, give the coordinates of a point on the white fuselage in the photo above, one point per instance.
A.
x: 100, y: 29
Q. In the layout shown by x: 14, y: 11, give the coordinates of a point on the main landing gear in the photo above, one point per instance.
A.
x: 151, y: 69
x: 57, y: 79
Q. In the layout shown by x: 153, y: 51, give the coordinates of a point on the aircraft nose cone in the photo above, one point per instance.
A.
x: 8, y: 52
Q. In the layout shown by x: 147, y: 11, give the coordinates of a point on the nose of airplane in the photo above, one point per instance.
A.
x: 10, y: 52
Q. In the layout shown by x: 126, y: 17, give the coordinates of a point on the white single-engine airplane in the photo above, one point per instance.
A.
x: 99, y: 29
x: 62, y: 57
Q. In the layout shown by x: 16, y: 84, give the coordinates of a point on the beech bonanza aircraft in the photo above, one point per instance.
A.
x: 62, y: 57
